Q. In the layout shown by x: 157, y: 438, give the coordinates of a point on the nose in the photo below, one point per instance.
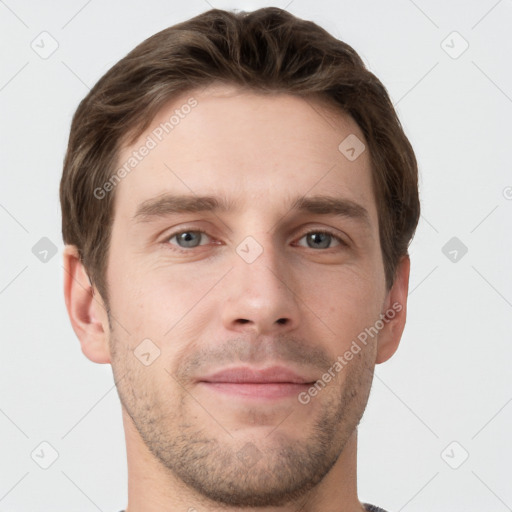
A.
x: 259, y: 296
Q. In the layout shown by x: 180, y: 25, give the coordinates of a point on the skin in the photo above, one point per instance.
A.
x: 208, y: 308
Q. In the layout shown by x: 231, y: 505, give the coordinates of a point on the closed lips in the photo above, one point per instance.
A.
x: 247, y: 375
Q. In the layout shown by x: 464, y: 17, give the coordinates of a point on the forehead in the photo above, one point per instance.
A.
x: 258, y: 150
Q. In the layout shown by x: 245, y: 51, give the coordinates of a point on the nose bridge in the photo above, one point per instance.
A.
x: 260, y: 293
x: 259, y: 261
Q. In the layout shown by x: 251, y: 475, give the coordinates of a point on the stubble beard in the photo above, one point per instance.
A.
x: 233, y: 470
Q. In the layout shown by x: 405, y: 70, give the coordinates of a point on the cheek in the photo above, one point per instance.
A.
x: 159, y: 301
x: 343, y: 299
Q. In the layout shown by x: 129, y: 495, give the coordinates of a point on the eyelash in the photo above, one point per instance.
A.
x: 182, y: 250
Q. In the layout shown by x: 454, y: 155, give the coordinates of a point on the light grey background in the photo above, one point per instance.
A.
x: 450, y: 379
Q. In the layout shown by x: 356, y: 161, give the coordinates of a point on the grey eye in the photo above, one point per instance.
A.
x: 187, y: 239
x: 320, y: 239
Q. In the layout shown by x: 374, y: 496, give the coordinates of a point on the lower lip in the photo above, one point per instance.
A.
x: 258, y: 390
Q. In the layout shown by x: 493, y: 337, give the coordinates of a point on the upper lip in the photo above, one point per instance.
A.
x: 246, y: 374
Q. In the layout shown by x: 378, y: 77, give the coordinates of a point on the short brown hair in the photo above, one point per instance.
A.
x: 267, y: 50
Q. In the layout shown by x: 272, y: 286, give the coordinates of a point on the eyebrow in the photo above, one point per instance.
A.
x: 169, y: 204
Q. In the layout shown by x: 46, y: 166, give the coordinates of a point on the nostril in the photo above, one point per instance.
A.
x: 282, y: 320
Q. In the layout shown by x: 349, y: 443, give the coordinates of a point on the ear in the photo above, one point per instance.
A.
x: 395, y: 306
x: 86, y: 308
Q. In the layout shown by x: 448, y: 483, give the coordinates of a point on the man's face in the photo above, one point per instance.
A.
x: 255, y: 291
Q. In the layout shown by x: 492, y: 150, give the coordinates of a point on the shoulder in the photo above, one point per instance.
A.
x: 372, y: 508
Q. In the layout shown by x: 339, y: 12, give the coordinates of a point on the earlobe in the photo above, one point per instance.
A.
x: 395, y: 309
x: 85, y: 308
